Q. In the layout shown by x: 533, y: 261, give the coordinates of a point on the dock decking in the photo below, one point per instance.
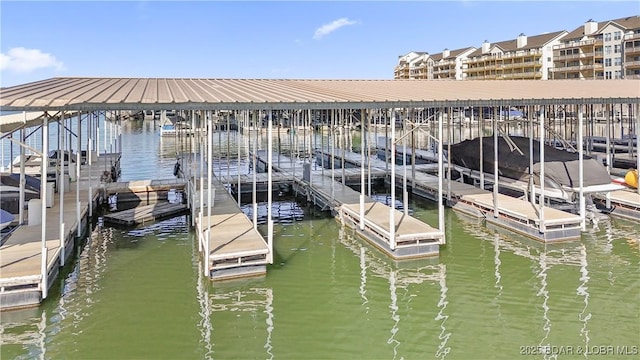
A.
x: 236, y: 248
x: 144, y: 214
x: 624, y: 203
x: 412, y: 237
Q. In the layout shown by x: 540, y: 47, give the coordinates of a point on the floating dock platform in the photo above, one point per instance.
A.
x: 145, y: 213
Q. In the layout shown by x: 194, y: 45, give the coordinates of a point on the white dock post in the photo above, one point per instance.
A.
x: 207, y: 240
x: 581, y: 168
x: 78, y: 160
x: 392, y: 201
x: 532, y: 190
x: 43, y: 197
x: 449, y: 164
x: 495, y: 162
x: 541, y: 202
x: 638, y: 144
x: 362, y: 165
x: 61, y: 154
x: 440, y: 171
x: 23, y: 179
x: 405, y: 194
x: 238, y: 147
x: 203, y: 124
x: 481, y: 133
x: 269, y: 190
x: 255, y: 170
x: 609, y: 162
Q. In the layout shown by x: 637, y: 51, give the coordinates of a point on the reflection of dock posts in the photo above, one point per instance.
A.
x: 43, y: 196
x: 580, y: 169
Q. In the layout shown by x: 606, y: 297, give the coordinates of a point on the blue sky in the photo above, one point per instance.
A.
x: 214, y: 39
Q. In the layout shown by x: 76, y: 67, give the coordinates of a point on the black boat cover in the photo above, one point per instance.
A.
x: 560, y: 166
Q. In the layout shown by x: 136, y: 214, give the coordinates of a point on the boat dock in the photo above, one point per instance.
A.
x: 25, y: 257
x: 233, y: 246
x: 624, y: 203
x: 144, y: 214
x: 409, y: 238
x: 512, y: 213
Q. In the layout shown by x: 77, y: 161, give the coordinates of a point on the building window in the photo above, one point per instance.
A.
x: 562, y: 52
x: 549, y: 59
x: 607, y: 75
x: 618, y: 74
x: 607, y: 37
x: 617, y: 35
x: 617, y: 49
x: 617, y: 61
x: 607, y: 62
x: 607, y: 49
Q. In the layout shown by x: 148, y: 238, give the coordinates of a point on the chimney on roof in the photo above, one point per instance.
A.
x: 445, y: 53
x: 485, y: 46
x: 590, y: 27
x: 521, y: 41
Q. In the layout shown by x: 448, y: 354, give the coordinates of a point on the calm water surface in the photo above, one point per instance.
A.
x: 139, y: 294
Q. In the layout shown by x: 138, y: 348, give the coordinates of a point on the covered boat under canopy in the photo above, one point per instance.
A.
x: 561, y: 168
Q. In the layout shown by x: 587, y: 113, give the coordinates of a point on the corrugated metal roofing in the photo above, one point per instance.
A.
x: 219, y: 94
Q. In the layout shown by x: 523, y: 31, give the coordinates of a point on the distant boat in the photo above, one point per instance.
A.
x: 10, y: 191
x: 5, y: 219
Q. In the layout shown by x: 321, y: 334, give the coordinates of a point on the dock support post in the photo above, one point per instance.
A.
x: 207, y: 240
x: 269, y: 188
x: 481, y: 132
x: 89, y: 160
x: 449, y: 164
x: 638, y: 144
x: 61, y: 154
x: 541, y: 202
x: 362, y: 165
x: 405, y: 196
x: 495, y: 161
x: 23, y: 179
x: 440, y: 170
x: 43, y: 197
x: 532, y: 190
x: 609, y: 162
x: 255, y: 170
x: 392, y: 201
x: 201, y: 203
x: 581, y: 168
x: 78, y: 160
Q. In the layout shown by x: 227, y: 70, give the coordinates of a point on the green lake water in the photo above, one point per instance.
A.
x: 491, y: 294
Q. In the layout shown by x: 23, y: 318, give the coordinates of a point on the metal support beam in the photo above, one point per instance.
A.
x: 392, y: 201
x: 43, y: 199
x: 581, y: 169
x: 269, y: 189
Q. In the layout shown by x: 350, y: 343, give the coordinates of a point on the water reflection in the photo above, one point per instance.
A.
x: 400, y: 276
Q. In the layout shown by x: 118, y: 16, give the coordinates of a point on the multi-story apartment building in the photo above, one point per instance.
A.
x: 526, y: 57
x: 450, y: 64
x: 402, y: 70
x: 595, y: 50
x: 631, y: 55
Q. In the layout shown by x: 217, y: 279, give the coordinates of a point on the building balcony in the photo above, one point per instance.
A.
x: 575, y: 68
x: 578, y: 44
x: 632, y: 50
x: 631, y: 36
x: 632, y: 64
x: 557, y: 56
x: 632, y: 76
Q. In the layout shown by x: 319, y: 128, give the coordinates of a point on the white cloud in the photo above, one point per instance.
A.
x: 23, y: 60
x: 326, y: 29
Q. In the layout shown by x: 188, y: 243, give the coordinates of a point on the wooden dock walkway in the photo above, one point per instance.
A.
x: 236, y: 248
x: 21, y: 281
x: 144, y: 214
x: 515, y: 214
x: 624, y: 203
x: 412, y: 237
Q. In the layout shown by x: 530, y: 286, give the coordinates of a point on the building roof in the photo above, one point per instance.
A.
x: 629, y: 22
x: 533, y: 42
